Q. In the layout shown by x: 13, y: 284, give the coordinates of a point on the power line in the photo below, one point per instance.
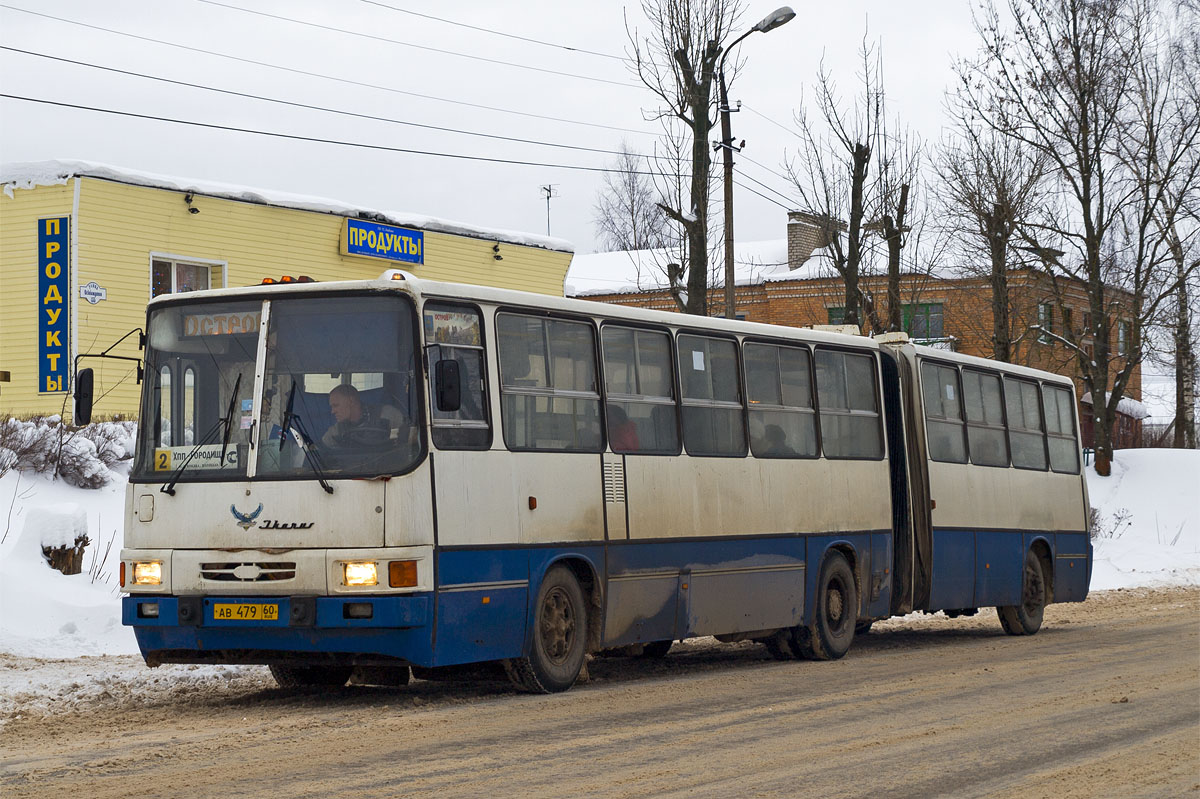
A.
x: 752, y: 191
x: 362, y: 145
x: 779, y: 125
x: 366, y: 116
x: 766, y: 168
x: 319, y: 140
x: 305, y: 73
x: 491, y: 31
x: 764, y: 185
x: 427, y: 48
x: 309, y: 106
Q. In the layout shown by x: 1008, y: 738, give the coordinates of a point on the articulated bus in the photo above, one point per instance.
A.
x: 352, y: 479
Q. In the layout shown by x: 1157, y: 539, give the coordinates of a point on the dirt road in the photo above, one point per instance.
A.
x: 1104, y: 701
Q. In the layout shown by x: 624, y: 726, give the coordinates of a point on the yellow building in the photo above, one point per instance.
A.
x: 84, y: 247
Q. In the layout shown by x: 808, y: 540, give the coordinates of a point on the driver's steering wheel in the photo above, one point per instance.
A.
x: 365, y: 437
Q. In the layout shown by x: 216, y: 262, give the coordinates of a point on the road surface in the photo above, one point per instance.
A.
x: 1104, y: 701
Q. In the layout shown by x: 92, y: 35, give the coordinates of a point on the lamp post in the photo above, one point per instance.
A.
x: 770, y: 22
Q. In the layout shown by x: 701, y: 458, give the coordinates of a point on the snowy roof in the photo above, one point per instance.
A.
x: 629, y: 272
x: 755, y: 262
x: 27, y: 175
x: 1127, y: 406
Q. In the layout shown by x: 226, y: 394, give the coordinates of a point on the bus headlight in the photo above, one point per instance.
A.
x: 355, y: 573
x: 148, y: 573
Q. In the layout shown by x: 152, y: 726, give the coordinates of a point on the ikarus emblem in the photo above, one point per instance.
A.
x: 246, y: 520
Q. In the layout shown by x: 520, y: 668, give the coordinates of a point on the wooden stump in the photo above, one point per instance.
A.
x: 67, y: 559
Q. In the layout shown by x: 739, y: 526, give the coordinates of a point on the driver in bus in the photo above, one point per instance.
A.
x: 350, y: 414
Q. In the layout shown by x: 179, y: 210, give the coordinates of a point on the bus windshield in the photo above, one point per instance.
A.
x: 199, y: 365
x: 339, y: 394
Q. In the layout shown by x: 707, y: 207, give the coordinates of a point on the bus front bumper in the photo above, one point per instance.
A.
x: 273, y: 629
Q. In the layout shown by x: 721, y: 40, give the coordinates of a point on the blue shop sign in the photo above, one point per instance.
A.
x: 53, y: 314
x: 383, y: 241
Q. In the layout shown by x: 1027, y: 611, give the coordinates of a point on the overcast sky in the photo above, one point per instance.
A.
x: 369, y: 76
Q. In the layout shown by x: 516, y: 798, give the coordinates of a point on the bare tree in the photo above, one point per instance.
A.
x: 898, y: 160
x: 857, y: 179
x: 677, y: 61
x: 831, y: 170
x: 1065, y: 79
x: 990, y: 189
x: 627, y: 213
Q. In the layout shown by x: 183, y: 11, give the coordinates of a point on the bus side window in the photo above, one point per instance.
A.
x: 943, y: 413
x: 985, y: 418
x: 1060, y: 430
x: 162, y: 418
x: 454, y: 332
x: 548, y: 387
x: 779, y: 389
x: 713, y: 416
x: 639, y: 389
x: 849, y: 405
x: 1024, y: 424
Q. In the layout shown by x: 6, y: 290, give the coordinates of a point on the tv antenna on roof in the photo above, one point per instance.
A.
x: 548, y: 191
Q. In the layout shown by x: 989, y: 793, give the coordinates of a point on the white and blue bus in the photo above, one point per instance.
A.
x: 363, y: 477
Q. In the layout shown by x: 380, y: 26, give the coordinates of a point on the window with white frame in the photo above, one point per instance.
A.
x: 170, y: 276
x: 1045, y: 320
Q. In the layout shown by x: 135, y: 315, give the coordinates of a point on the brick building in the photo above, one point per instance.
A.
x: 791, y: 283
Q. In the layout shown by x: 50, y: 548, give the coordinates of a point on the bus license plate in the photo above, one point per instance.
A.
x: 245, y: 612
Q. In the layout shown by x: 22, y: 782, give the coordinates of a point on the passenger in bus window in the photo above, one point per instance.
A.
x: 355, y: 422
x: 776, y: 445
x: 622, y: 432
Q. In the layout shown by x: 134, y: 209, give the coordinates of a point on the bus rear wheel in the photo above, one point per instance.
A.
x: 1026, y: 618
x: 310, y: 676
x: 832, y: 631
x: 559, y: 637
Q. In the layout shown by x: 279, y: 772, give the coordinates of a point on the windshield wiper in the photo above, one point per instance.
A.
x: 310, y: 457
x: 229, y: 417
x: 226, y: 422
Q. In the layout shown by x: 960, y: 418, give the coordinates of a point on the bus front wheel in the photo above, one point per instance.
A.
x: 832, y: 630
x: 559, y: 637
x: 1026, y: 618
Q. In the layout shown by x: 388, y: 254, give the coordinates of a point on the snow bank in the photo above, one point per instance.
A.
x: 44, y: 613
x: 1149, y: 513
x: 52, y: 527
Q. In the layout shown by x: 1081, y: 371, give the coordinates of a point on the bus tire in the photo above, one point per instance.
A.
x: 559, y: 642
x: 656, y: 649
x: 310, y: 676
x: 832, y: 631
x: 1026, y: 618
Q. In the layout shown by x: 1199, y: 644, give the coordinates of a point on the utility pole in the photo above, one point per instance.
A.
x: 549, y: 190
x: 768, y: 23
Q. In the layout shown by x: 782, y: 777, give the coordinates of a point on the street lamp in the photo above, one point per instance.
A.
x: 768, y: 23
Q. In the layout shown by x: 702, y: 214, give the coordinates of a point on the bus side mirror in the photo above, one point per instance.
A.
x: 83, y: 396
x: 448, y: 385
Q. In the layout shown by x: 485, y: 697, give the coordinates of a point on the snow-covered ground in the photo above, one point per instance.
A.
x: 1148, y: 513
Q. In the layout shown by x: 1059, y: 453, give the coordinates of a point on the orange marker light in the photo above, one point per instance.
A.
x: 122, y: 574
x: 402, y: 573
x: 487, y: 600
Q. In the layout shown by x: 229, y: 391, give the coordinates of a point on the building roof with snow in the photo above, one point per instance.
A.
x: 26, y: 175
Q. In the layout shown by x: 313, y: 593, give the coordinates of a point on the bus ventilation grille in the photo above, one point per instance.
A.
x: 248, y: 572
x: 614, y: 481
